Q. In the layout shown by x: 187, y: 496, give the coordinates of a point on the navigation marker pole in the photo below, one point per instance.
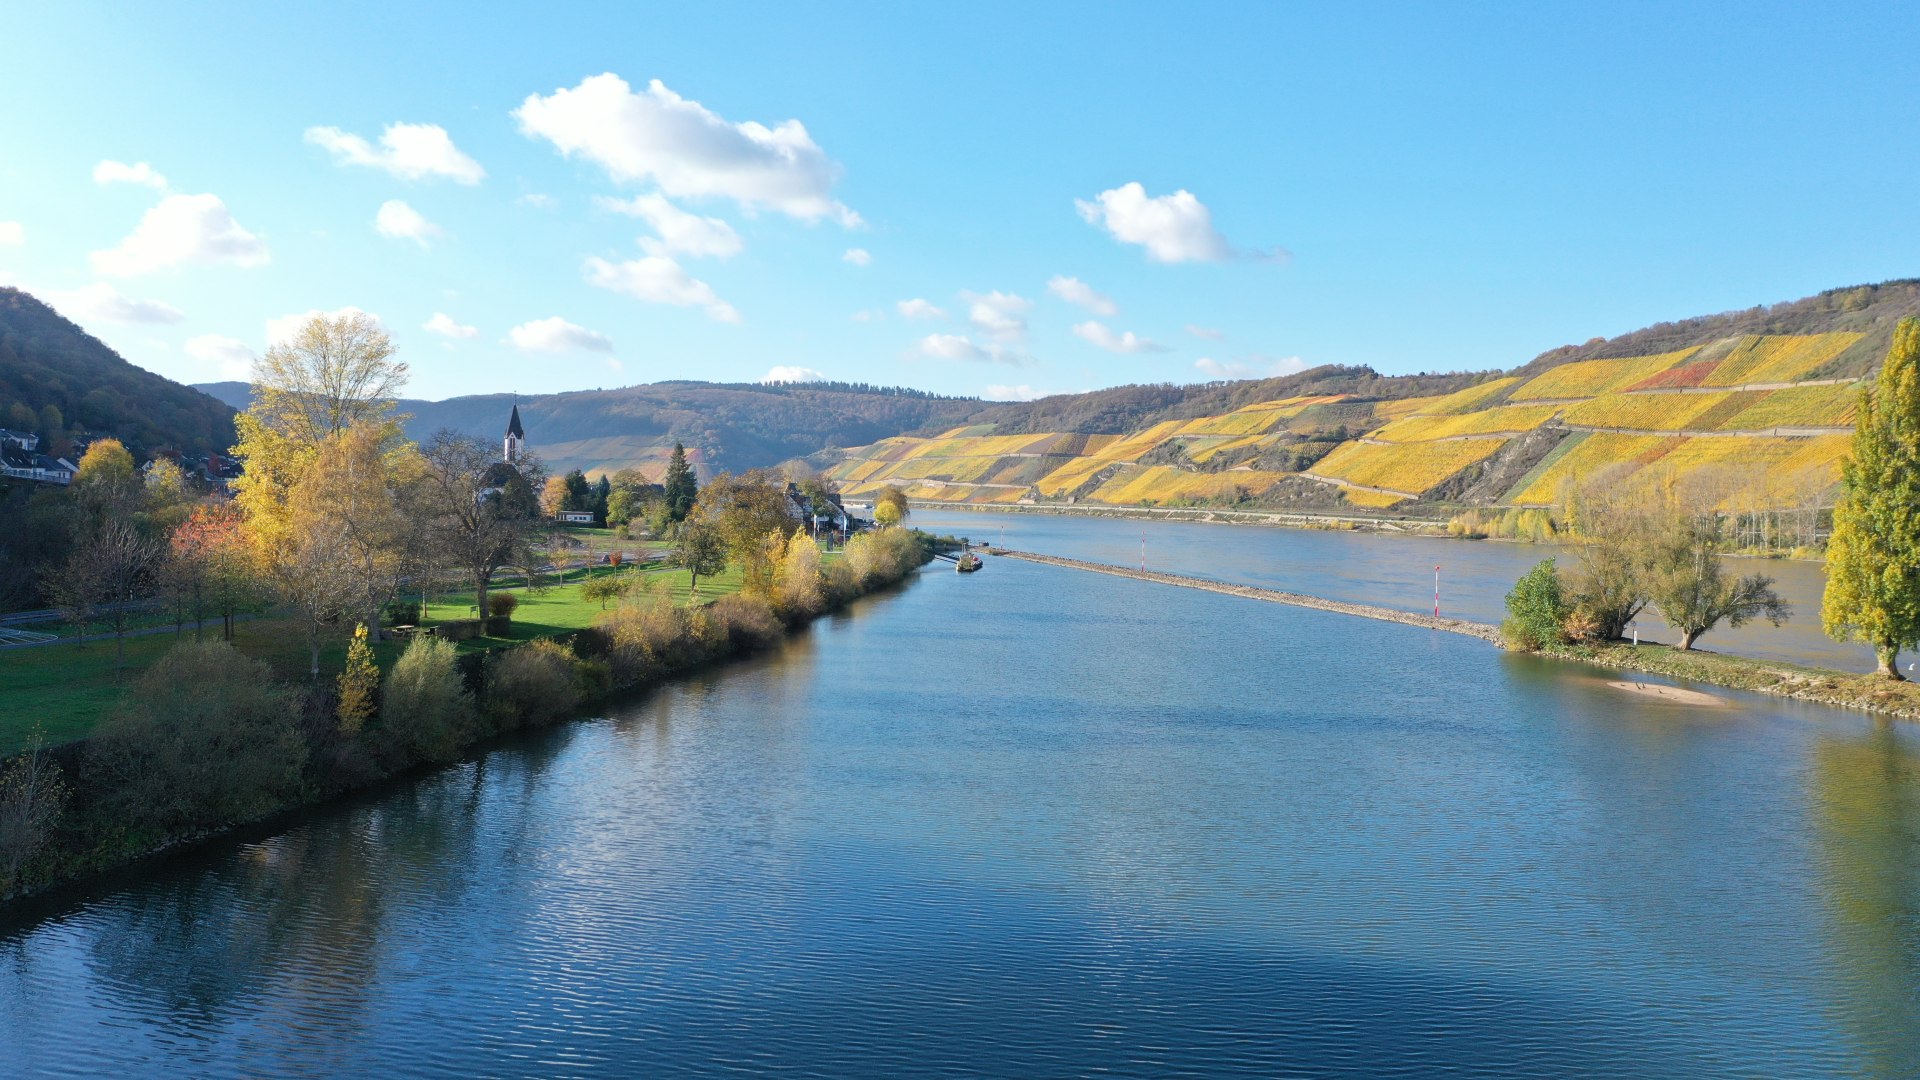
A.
x: 1436, y: 592
x: 1143, y: 550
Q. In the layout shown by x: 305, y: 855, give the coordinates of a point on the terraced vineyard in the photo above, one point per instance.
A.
x: 1757, y: 414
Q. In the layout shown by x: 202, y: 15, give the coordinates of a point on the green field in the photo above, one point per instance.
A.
x: 69, y: 687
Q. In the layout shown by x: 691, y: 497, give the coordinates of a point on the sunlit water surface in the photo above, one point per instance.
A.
x: 1036, y: 822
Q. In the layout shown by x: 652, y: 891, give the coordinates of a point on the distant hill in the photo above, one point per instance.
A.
x: 52, y: 373
x: 727, y: 426
x: 1757, y: 402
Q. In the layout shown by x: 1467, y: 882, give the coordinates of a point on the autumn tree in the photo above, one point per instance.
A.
x: 1688, y: 583
x: 482, y: 520
x: 744, y: 510
x: 553, y: 496
x: 31, y: 796
x: 890, y: 506
x: 325, y: 462
x: 1873, y: 556
x: 359, y: 684
x: 208, y: 567
x: 682, y: 489
x: 701, y: 551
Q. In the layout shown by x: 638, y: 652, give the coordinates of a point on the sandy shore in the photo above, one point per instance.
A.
x: 1662, y: 692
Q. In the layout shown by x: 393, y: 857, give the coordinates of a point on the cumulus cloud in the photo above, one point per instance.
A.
x: 182, y: 229
x: 1022, y: 392
x: 1075, y: 291
x: 105, y: 303
x: 403, y: 222
x: 283, y: 329
x: 917, y: 308
x: 1173, y: 228
x: 232, y: 354
x: 685, y: 149
x: 12, y: 234
x: 445, y: 325
x: 961, y: 347
x: 658, y: 279
x: 858, y: 257
x: 785, y: 374
x: 1207, y: 332
x: 681, y: 233
x: 1253, y: 367
x: 408, y: 151
x: 1100, y: 334
x: 1000, y: 316
x: 119, y: 172
x: 557, y: 335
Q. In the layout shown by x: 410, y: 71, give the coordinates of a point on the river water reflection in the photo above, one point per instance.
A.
x: 1039, y: 822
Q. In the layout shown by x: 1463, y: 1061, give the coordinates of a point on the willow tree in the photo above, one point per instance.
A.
x: 1873, y: 557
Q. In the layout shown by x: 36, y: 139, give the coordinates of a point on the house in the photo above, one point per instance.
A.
x: 575, y: 517
x: 832, y: 517
x: 25, y: 440
x: 24, y: 464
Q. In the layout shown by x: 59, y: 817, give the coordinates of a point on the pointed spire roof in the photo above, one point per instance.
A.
x: 513, y: 424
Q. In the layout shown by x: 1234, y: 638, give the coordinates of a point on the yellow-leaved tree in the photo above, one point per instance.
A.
x: 1873, y: 557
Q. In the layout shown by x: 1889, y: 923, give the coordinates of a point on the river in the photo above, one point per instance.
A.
x: 1038, y: 822
x: 1392, y: 570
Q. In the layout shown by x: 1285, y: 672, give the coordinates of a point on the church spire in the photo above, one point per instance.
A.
x: 516, y: 437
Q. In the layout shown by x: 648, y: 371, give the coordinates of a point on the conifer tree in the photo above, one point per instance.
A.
x: 681, y: 488
x: 1873, y: 557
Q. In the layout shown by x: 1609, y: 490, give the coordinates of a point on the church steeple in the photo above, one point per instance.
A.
x: 516, y: 437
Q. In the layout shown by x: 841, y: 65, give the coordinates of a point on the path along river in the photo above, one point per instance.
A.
x: 1041, y: 822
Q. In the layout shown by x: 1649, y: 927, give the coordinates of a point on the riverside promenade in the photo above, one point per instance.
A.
x: 1272, y: 596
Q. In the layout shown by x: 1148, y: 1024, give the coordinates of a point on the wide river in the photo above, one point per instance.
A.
x: 1037, y: 822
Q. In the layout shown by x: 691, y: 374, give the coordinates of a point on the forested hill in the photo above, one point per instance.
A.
x: 57, y: 380
x: 730, y: 426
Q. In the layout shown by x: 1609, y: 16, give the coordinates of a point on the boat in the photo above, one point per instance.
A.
x: 968, y: 562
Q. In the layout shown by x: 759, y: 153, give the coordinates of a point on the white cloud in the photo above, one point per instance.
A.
x: 537, y: 200
x: 874, y: 315
x: 998, y: 315
x: 1254, y: 367
x: 182, y: 229
x: 1022, y: 392
x: 232, y: 354
x: 1207, y: 332
x: 105, y: 303
x: 681, y: 233
x: 403, y: 222
x: 658, y: 279
x: 858, y: 257
x: 784, y: 374
x: 685, y: 149
x: 119, y: 172
x: 1075, y: 291
x: 1099, y: 334
x: 408, y: 151
x: 961, y: 347
x: 283, y: 329
x: 917, y: 308
x: 444, y: 325
x: 1173, y: 228
x: 12, y: 234
x: 556, y: 335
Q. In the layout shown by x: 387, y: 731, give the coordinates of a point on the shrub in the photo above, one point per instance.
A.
x: 1536, y: 608
x: 502, y: 605
x: 31, y: 796
x: 403, y: 613
x: 426, y: 713
x: 208, y: 737
x: 459, y: 629
x: 797, y: 584
x: 747, y: 623
x: 531, y: 685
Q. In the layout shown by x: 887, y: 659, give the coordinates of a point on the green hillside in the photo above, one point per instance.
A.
x: 56, y: 379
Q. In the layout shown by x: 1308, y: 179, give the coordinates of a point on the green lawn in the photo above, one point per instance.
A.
x: 68, y: 687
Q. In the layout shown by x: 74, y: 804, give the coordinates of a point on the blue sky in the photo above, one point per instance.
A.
x: 1404, y: 187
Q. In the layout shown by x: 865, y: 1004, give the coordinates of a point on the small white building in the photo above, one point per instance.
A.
x: 575, y: 517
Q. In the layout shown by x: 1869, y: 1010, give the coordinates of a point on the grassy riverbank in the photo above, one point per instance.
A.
x: 1840, y: 689
x: 68, y: 687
